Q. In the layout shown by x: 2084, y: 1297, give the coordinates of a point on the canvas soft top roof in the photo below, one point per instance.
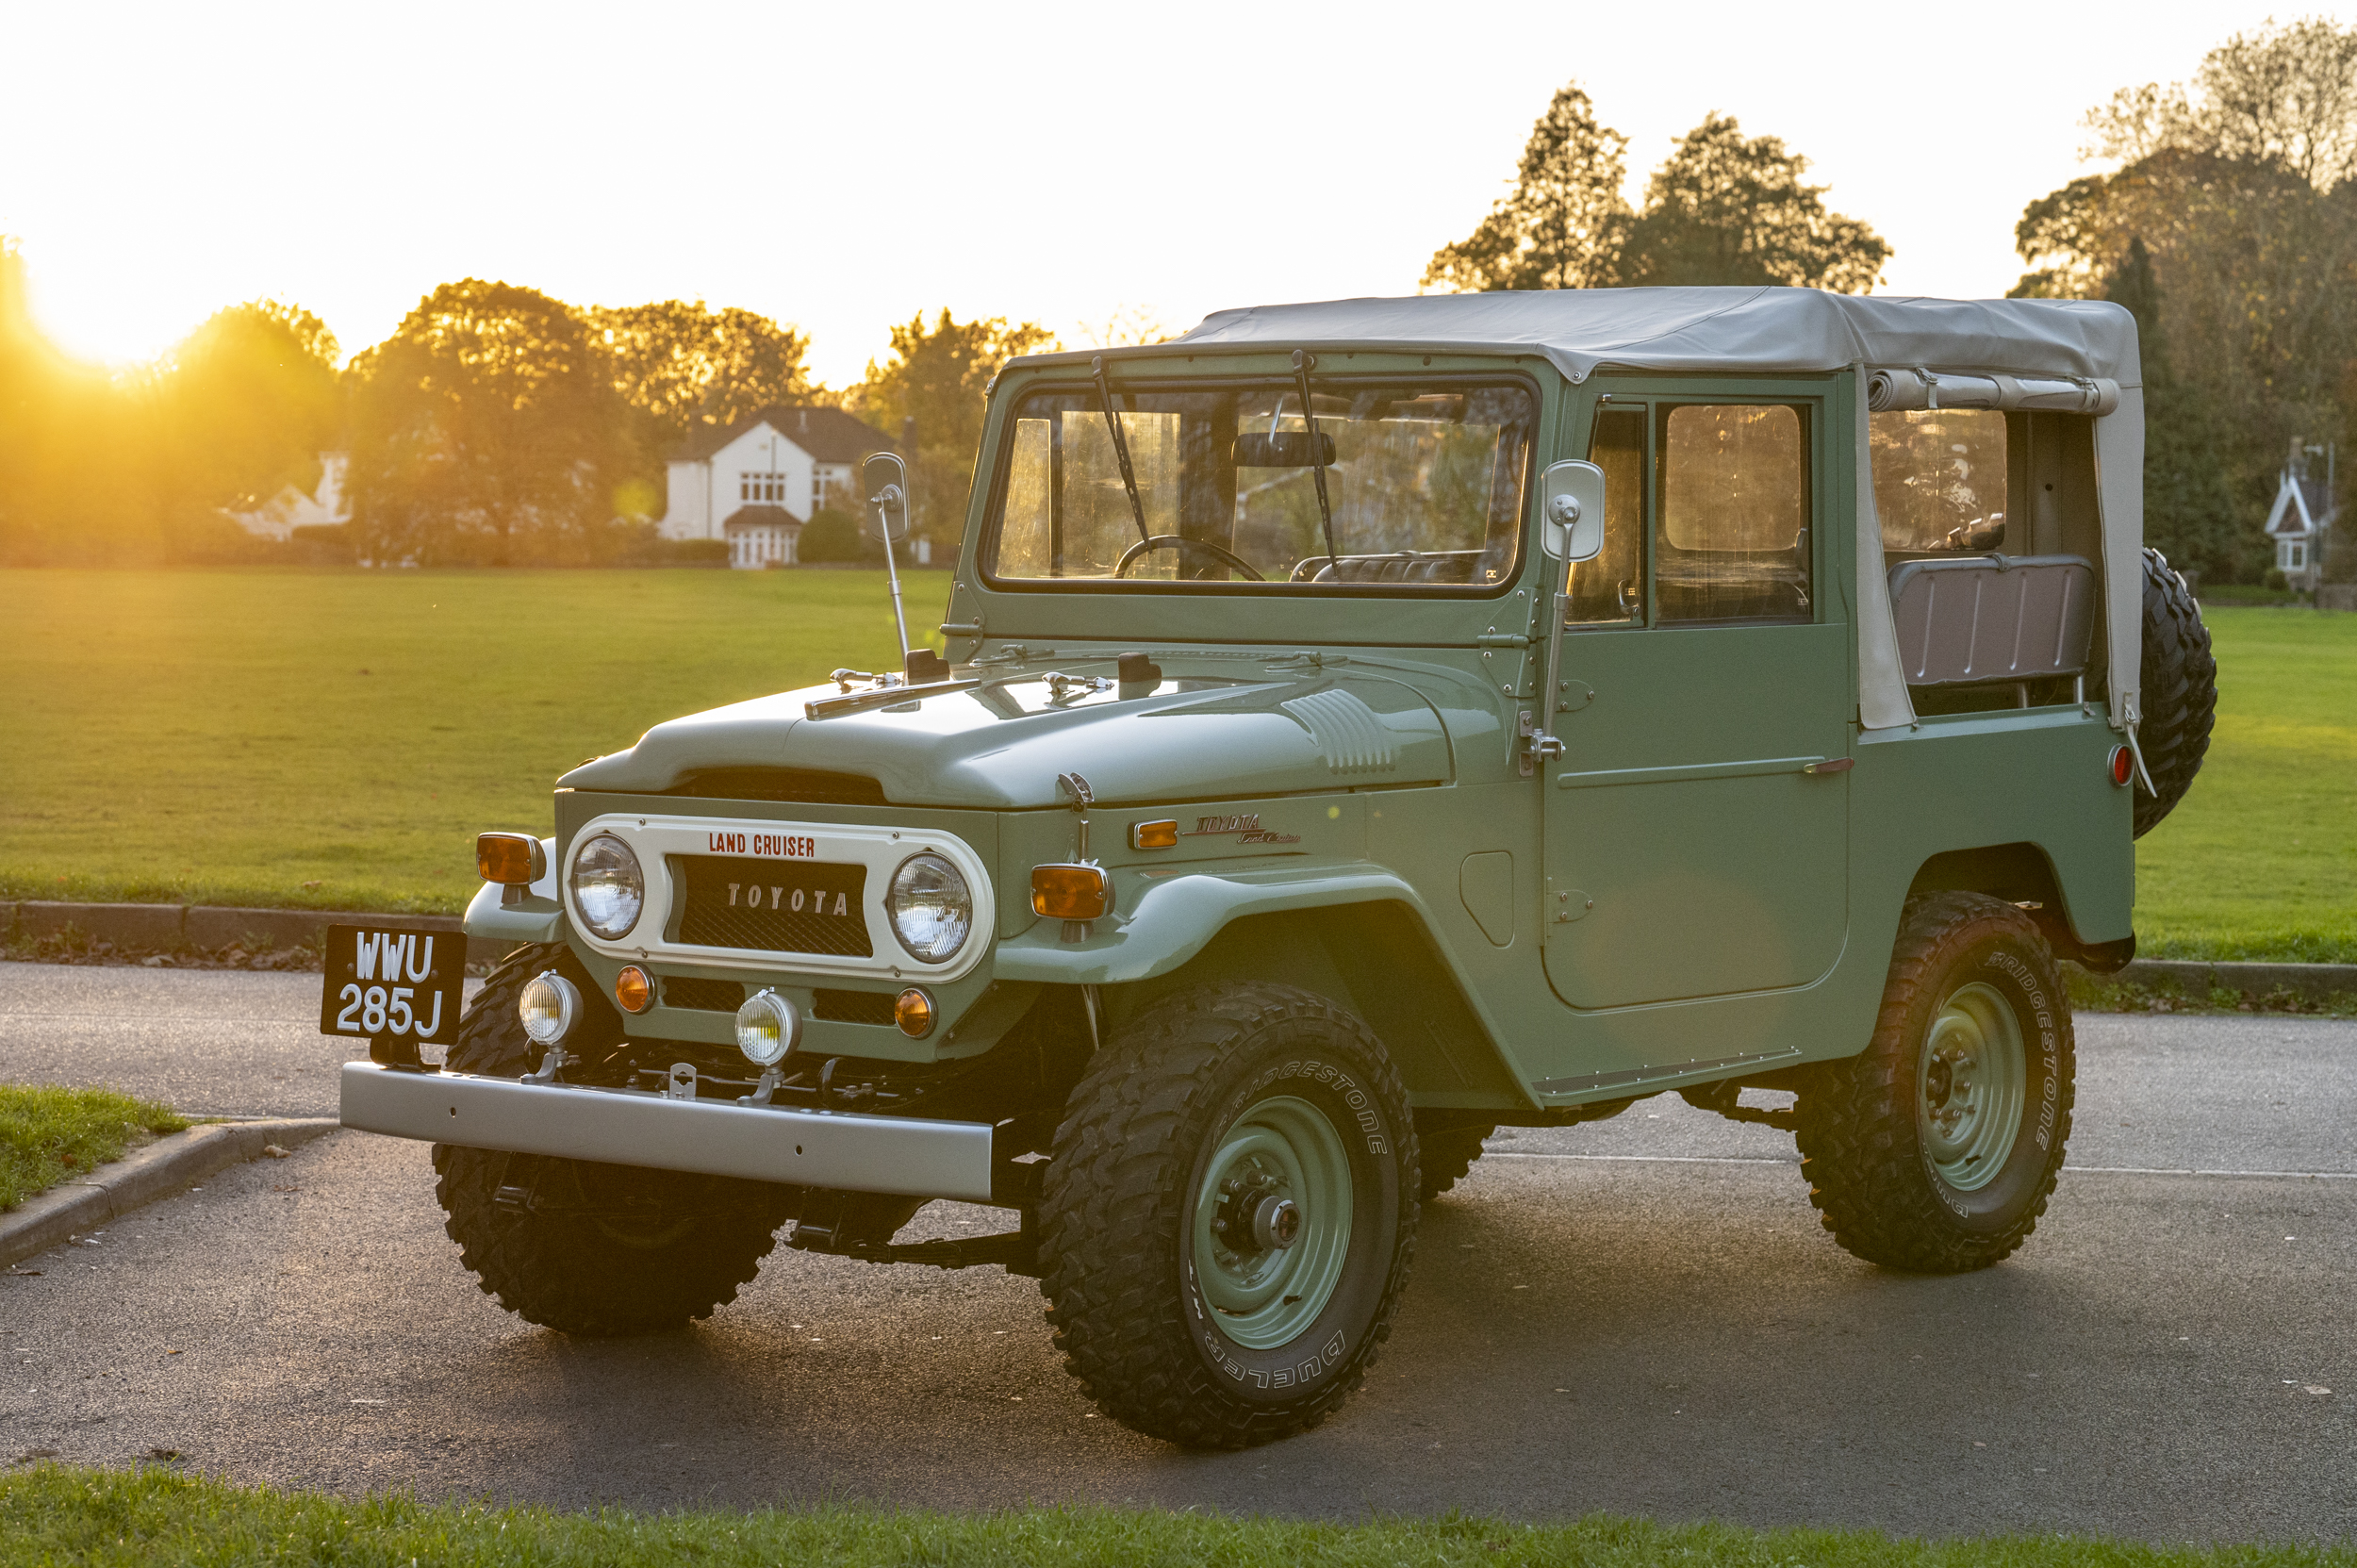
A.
x: 1584, y: 330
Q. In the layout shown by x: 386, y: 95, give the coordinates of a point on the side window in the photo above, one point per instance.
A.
x: 1733, y: 539
x: 1940, y: 480
x: 1610, y: 589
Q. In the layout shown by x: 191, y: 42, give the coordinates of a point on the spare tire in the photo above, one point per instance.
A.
x: 2179, y: 691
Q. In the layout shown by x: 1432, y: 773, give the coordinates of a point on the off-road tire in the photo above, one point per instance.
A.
x: 1447, y: 1156
x: 1859, y: 1122
x: 564, y: 1257
x: 1118, y: 1211
x: 2179, y: 691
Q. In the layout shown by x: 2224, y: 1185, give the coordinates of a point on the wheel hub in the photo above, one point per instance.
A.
x: 1272, y: 1222
x: 1972, y: 1083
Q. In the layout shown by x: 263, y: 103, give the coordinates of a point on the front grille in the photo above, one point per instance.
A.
x: 772, y: 906
x: 851, y: 1007
x: 709, y: 996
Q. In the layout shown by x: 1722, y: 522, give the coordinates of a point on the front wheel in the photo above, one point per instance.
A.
x: 1226, y: 1224
x: 1935, y: 1149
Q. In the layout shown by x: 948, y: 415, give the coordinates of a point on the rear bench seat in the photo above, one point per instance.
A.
x: 1979, y: 620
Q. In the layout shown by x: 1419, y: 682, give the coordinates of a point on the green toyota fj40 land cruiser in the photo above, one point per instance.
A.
x: 1363, y: 724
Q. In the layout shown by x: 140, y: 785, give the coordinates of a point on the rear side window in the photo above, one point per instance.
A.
x: 1610, y: 589
x: 1939, y: 479
x: 1733, y: 541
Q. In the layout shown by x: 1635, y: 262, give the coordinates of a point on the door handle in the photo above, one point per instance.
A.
x: 1835, y: 764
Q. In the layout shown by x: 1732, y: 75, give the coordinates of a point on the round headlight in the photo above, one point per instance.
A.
x: 608, y: 890
x: 548, y: 1007
x: 767, y: 1027
x: 931, y: 908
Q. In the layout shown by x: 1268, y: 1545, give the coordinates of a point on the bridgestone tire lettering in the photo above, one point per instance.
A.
x: 599, y: 1249
x: 1115, y: 1227
x: 1861, y: 1146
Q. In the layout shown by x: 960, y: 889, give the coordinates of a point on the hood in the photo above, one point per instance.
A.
x: 1000, y: 742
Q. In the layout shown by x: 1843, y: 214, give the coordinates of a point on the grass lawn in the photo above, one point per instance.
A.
x: 335, y: 740
x: 54, y: 1514
x: 48, y: 1134
x: 2260, y: 861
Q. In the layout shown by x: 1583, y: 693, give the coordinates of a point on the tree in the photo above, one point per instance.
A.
x: 1727, y: 210
x: 683, y: 368
x: 246, y: 404
x: 2188, y: 502
x: 2286, y: 97
x: 1560, y: 226
x: 938, y: 377
x: 486, y: 429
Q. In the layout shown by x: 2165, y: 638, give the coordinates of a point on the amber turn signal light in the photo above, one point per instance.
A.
x: 1153, y: 836
x: 1070, y: 892
x: 914, y: 1012
x: 511, y: 858
x: 633, y: 989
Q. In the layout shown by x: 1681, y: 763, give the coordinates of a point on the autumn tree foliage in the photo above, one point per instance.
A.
x: 2230, y: 228
x: 938, y: 377
x: 1724, y: 209
x: 486, y: 429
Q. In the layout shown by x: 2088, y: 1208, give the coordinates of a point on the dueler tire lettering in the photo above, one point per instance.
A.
x: 581, y: 1247
x: 1864, y: 1147
x: 1119, y: 1204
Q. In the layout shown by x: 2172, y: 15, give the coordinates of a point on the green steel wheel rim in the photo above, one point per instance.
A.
x: 1972, y: 1084
x: 1272, y: 1222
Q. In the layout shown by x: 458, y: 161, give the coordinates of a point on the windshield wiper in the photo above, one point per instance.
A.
x: 1121, y: 447
x: 1317, y: 460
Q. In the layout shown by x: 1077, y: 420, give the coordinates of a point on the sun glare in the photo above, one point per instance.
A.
x: 96, y: 320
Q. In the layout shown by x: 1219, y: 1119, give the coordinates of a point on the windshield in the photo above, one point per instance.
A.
x: 1426, y: 484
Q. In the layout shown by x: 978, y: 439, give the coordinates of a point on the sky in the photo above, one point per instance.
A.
x: 843, y: 168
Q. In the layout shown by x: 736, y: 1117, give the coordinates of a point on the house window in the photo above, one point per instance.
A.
x: 768, y: 489
x: 2295, y: 555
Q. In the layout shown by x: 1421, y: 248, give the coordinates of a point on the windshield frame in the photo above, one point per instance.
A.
x: 1153, y: 374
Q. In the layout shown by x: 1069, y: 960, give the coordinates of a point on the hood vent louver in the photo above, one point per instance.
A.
x: 1350, y: 733
x: 807, y: 786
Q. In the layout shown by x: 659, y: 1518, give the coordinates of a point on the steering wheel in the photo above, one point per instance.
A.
x: 1178, y: 542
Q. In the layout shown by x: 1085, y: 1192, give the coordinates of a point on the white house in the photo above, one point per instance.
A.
x: 757, y: 482
x: 2302, y: 518
x: 290, y: 510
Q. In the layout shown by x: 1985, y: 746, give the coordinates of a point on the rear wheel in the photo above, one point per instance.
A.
x: 1937, y: 1147
x: 1227, y: 1225
x: 576, y: 1245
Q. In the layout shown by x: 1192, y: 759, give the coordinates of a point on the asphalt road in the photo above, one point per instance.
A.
x: 1640, y: 1316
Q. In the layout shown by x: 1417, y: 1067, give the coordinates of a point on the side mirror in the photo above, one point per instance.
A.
x: 1573, y: 523
x: 887, y: 480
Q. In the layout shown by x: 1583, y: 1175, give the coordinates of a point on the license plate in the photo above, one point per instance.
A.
x: 394, y: 988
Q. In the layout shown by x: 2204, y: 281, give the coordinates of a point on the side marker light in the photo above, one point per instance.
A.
x: 633, y: 989
x: 1154, y: 836
x: 1075, y: 892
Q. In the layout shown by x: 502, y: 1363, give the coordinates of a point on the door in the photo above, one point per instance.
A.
x: 1697, y: 823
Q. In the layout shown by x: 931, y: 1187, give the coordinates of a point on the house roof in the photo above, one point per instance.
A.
x: 2302, y: 505
x: 1583, y: 330
x: 829, y: 434
x: 761, y: 517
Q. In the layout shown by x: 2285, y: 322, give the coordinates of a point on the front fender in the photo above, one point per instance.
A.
x: 1170, y: 918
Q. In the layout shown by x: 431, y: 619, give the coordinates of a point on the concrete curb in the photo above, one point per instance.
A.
x: 164, y: 927
x: 160, y: 1169
x: 2200, y: 975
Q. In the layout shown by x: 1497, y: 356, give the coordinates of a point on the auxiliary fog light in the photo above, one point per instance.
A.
x: 550, y: 1006
x: 767, y: 1027
x: 914, y: 1012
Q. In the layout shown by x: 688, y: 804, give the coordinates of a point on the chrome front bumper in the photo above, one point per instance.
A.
x: 625, y: 1126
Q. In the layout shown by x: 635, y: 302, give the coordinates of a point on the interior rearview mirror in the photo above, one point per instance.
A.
x: 1574, y: 529
x: 887, y: 480
x: 1281, y: 449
